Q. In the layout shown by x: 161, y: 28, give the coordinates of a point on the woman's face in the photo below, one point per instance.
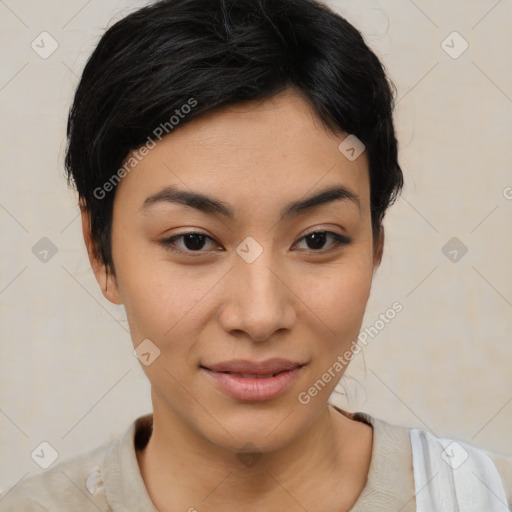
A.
x: 251, y: 285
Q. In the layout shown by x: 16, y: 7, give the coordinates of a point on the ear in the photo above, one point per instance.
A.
x: 378, y: 250
x: 105, y: 279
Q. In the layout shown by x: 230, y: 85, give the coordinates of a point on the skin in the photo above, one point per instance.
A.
x: 297, y: 300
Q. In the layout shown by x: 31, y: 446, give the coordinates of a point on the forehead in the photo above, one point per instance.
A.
x: 275, y: 148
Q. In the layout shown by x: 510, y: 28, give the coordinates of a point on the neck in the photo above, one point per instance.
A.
x: 182, y: 470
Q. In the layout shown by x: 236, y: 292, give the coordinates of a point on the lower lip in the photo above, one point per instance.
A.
x: 254, y: 389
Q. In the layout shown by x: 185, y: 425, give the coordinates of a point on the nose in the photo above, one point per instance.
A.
x: 258, y: 300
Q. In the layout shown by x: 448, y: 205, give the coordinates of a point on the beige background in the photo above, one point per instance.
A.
x: 67, y: 373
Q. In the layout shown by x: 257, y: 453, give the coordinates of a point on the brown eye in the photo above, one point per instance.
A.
x: 316, y: 240
x: 192, y: 242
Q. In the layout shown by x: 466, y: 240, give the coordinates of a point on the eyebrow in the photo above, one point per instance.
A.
x: 215, y: 206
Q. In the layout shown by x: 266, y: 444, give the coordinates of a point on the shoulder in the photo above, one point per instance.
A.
x: 460, y: 471
x: 69, y: 485
x: 503, y: 464
x: 430, y: 458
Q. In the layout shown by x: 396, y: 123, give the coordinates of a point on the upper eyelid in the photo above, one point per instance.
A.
x: 312, y: 231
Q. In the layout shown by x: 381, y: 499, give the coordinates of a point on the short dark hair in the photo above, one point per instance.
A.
x: 214, y: 53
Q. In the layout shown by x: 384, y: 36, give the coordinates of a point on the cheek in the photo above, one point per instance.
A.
x: 159, y: 299
x: 338, y: 299
x: 158, y: 296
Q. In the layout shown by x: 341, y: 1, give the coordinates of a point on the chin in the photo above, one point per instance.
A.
x: 267, y: 428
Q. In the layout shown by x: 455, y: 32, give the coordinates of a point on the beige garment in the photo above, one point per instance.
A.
x: 108, y: 478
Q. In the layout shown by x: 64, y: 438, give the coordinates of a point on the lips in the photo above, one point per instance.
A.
x: 253, y: 381
x: 267, y: 368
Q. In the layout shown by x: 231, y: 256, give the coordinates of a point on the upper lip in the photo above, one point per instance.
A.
x: 269, y: 366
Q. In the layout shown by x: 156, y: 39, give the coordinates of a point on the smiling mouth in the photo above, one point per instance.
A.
x: 254, y: 387
x: 249, y: 375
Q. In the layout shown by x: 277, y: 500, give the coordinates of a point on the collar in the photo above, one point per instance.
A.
x: 126, y: 490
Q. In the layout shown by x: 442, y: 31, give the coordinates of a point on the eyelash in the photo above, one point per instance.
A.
x: 169, y: 243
